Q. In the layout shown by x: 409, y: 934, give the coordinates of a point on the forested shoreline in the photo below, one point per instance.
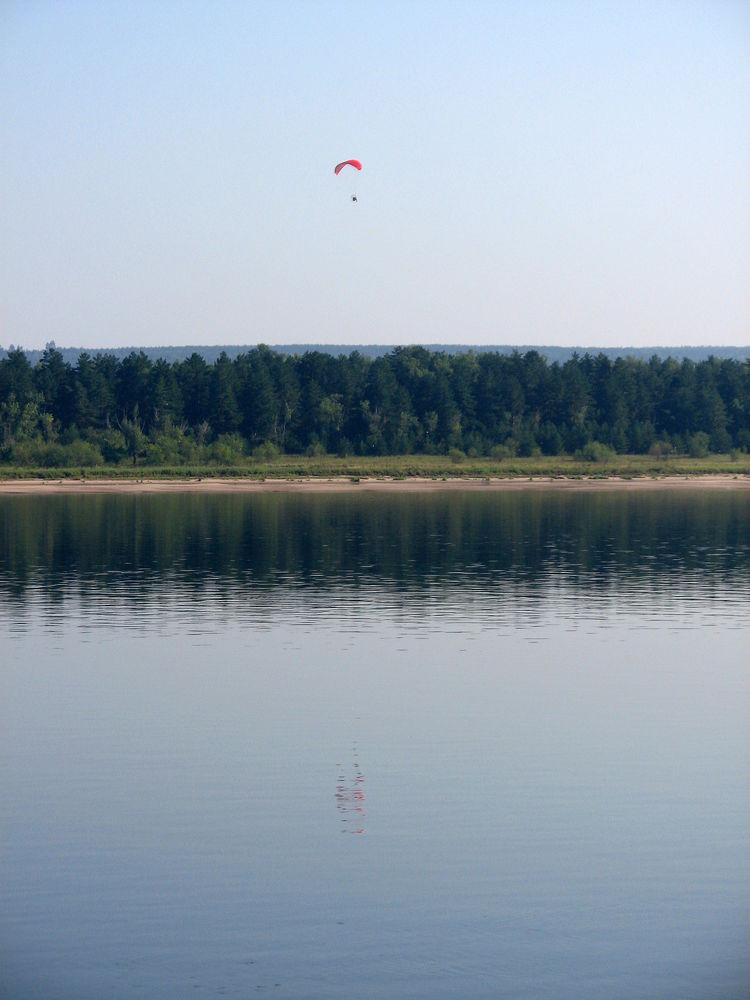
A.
x: 261, y: 404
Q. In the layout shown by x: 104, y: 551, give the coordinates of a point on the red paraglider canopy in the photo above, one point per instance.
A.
x: 350, y: 163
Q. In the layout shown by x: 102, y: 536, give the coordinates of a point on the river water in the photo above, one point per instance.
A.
x: 446, y: 745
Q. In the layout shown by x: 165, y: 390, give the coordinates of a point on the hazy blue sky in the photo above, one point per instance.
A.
x: 534, y: 172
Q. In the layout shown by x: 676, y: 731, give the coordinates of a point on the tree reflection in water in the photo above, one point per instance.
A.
x: 68, y: 546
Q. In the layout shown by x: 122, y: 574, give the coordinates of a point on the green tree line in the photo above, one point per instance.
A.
x: 411, y: 401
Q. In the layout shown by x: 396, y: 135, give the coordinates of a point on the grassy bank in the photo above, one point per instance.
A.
x: 407, y: 466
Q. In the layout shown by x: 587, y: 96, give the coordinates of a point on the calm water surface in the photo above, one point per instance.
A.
x: 465, y: 745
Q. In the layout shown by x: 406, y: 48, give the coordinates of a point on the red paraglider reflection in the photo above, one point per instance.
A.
x: 350, y: 796
x: 346, y: 163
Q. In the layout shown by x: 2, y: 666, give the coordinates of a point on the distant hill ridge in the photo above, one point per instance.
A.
x: 553, y: 354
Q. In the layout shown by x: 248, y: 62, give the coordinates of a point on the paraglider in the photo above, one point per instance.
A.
x: 348, y: 163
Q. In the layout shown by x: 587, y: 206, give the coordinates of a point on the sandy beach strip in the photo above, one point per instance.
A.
x: 43, y: 487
